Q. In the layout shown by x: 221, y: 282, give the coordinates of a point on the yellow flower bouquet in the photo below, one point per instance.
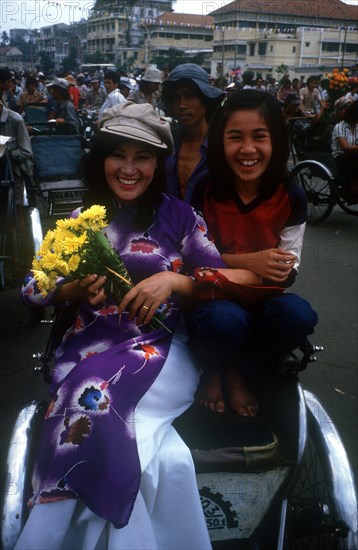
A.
x: 77, y: 248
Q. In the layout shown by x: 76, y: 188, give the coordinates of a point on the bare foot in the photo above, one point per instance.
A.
x: 240, y: 398
x: 209, y: 393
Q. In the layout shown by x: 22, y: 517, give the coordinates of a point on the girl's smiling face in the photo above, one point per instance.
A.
x: 248, y: 148
x: 129, y: 170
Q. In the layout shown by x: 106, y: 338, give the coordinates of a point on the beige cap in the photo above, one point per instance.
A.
x: 138, y: 122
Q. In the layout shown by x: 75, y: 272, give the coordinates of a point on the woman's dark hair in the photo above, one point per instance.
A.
x: 99, y: 192
x: 271, y: 111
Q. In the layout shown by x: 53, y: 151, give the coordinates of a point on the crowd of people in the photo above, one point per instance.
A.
x: 211, y: 232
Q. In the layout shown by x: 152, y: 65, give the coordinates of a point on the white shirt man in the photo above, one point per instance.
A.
x: 114, y: 97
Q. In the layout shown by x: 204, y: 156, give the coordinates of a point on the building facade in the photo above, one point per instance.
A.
x: 117, y: 29
x: 306, y: 37
x: 189, y: 34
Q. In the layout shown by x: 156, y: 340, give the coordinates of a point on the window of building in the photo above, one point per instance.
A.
x: 252, y: 49
x: 262, y: 48
x: 294, y: 49
x: 308, y: 44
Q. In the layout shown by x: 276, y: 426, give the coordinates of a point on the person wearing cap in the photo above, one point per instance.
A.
x: 132, y: 483
x: 114, y: 96
x: 292, y: 106
x: 190, y: 99
x: 96, y: 95
x: 126, y: 87
x: 148, y: 88
x: 65, y: 113
x: 340, y: 107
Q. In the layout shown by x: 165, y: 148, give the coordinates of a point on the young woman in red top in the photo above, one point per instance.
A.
x: 257, y: 220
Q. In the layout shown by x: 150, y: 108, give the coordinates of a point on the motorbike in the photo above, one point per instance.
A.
x: 88, y: 127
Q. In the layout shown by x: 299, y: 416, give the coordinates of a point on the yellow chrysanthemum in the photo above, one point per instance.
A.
x: 74, y: 262
x: 72, y: 244
x: 67, y: 223
x: 50, y: 261
x: 94, y: 217
x: 44, y: 282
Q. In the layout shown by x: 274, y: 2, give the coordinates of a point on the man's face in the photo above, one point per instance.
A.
x: 187, y: 105
x: 110, y: 85
x: 5, y: 85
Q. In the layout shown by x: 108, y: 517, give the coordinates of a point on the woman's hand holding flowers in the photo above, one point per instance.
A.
x: 89, y: 289
x: 143, y: 300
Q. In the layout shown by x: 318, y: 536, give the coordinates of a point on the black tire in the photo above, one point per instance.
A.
x: 318, y: 183
x: 349, y: 207
x: 322, y: 516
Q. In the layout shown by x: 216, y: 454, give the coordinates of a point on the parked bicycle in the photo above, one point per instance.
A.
x: 316, y: 171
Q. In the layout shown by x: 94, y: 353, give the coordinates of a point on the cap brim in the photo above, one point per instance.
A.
x: 135, y: 134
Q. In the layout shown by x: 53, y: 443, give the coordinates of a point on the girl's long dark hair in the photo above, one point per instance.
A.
x: 220, y: 172
x: 98, y: 191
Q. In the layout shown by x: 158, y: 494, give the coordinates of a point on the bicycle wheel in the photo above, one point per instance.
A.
x: 318, y: 183
x: 349, y: 207
x: 322, y: 509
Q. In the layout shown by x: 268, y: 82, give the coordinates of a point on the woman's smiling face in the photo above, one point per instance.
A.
x: 129, y: 170
x: 248, y: 147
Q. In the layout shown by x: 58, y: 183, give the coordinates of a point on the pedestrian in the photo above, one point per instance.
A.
x: 30, y: 95
x: 148, y: 88
x: 96, y: 95
x: 65, y: 112
x: 190, y: 99
x: 114, y: 96
x: 126, y: 87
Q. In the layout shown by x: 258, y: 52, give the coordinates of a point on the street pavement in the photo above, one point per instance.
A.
x: 328, y: 279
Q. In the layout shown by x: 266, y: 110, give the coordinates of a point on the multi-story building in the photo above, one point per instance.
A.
x: 308, y: 37
x: 188, y: 33
x: 56, y: 41
x: 13, y: 58
x: 115, y: 28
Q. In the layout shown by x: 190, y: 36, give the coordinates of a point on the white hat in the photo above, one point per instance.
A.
x: 59, y: 82
x: 152, y: 75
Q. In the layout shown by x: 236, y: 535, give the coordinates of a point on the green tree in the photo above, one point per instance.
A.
x: 5, y: 40
x: 175, y: 57
x: 47, y: 63
x: 70, y: 62
x: 282, y: 69
x: 96, y: 58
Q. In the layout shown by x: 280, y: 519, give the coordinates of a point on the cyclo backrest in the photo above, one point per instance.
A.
x: 57, y: 157
x: 35, y: 112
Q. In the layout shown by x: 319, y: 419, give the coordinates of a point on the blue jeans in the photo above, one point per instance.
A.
x: 223, y: 332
